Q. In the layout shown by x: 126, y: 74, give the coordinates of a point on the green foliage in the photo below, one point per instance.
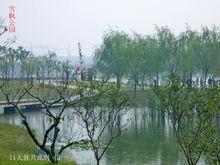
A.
x: 192, y: 112
x: 143, y: 59
x: 87, y: 145
x: 101, y: 107
x: 112, y: 56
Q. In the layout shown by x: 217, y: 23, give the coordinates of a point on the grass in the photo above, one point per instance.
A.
x: 14, y: 140
x: 15, y: 89
x: 143, y: 97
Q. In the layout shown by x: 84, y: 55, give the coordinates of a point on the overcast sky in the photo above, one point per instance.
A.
x: 62, y: 23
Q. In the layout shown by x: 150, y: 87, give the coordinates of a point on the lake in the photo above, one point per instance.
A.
x: 147, y: 140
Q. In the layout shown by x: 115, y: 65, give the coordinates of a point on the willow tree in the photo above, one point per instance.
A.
x: 136, y: 52
x: 156, y: 59
x: 50, y: 62
x: 22, y: 55
x: 30, y: 66
x: 206, y: 52
x: 167, y: 48
x: 216, y: 49
x: 111, y: 56
x: 13, y: 59
x: 188, y: 42
x: 4, y: 66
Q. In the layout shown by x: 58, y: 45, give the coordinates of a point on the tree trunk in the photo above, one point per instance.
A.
x: 12, y: 72
x: 53, y: 159
x: 184, y: 79
x: 135, y: 87
x: 118, y: 82
x: 157, y: 81
x: 6, y: 74
x: 97, y: 158
x: 205, y: 78
x: 43, y: 77
x: 142, y: 82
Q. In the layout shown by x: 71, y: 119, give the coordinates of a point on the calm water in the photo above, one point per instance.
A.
x: 147, y: 140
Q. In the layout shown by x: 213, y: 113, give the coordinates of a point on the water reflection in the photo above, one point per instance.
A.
x: 148, y: 138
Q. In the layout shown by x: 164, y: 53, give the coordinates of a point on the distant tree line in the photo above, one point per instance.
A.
x: 20, y: 63
x: 154, y: 58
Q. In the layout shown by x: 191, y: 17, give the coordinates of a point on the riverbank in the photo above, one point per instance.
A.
x: 16, y: 144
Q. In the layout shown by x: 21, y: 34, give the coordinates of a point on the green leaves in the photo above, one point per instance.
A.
x: 86, y: 145
x: 192, y: 112
x: 111, y: 57
x: 144, y: 58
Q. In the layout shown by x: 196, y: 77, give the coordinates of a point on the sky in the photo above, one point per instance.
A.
x: 59, y: 25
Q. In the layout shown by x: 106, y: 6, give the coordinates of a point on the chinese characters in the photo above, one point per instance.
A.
x: 11, y: 17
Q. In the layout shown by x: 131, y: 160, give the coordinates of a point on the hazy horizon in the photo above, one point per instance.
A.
x: 43, y: 25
